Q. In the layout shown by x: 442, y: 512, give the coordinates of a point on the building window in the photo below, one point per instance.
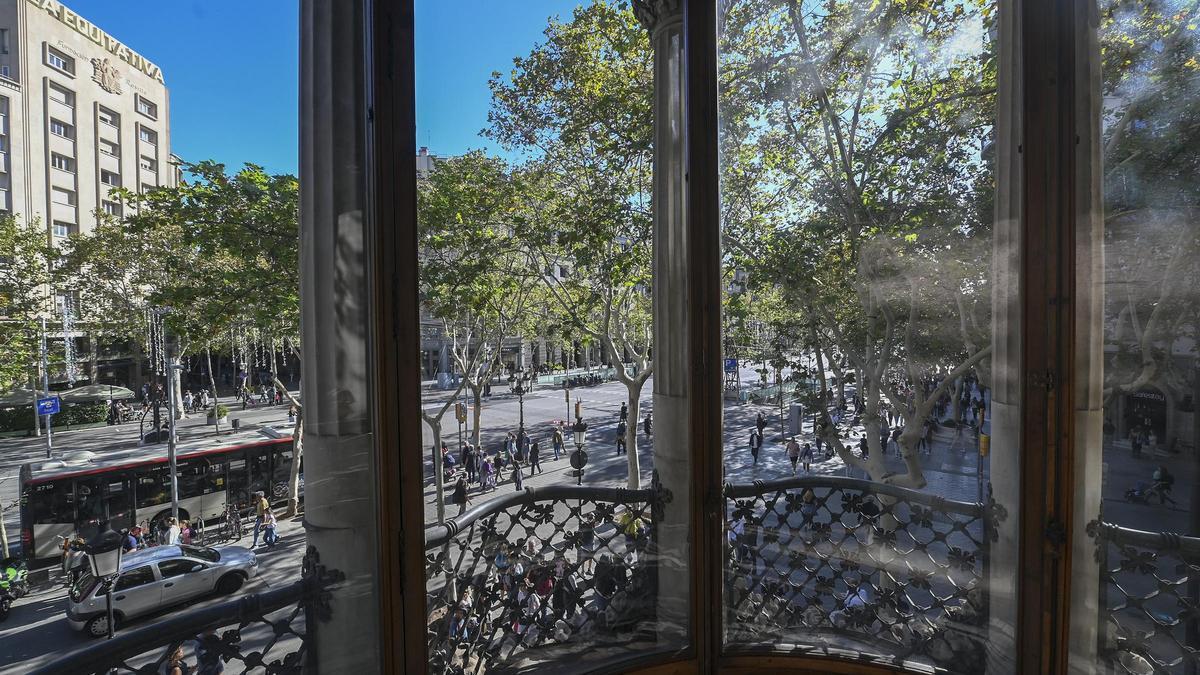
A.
x: 109, y: 117
x: 62, y: 162
x: 60, y: 128
x: 147, y: 188
x: 63, y: 229
x: 146, y: 107
x: 62, y: 196
x: 110, y: 178
x: 3, y: 40
x: 148, y: 164
x: 60, y: 61
x: 62, y: 95
x: 148, y: 135
x: 110, y: 148
x: 111, y: 208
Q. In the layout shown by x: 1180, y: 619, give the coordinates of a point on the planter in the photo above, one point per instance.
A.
x: 224, y: 419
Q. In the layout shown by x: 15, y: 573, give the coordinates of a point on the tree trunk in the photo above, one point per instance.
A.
x: 176, y: 383
x: 438, y: 479
x: 293, y: 505
x: 212, y: 380
x: 631, y: 433
x: 477, y: 397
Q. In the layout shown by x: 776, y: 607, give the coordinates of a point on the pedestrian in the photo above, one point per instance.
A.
x: 648, y: 424
x: 522, y: 445
x: 487, y: 474
x: 208, y: 653
x: 534, y: 459
x: 624, y: 411
x: 175, y: 665
x: 129, y: 542
x: 185, y: 532
x: 510, y: 448
x: 460, y: 495
x: 808, y: 508
x: 806, y: 456
x: 557, y: 440
x: 174, y: 533
x: 187, y: 401
x: 471, y: 462
x: 270, y: 528
x: 793, y: 452
x: 755, y: 444
x: 864, y: 449
x: 621, y: 430
x: 587, y: 543
x: 760, y: 423
x: 260, y: 510
x: 1163, y: 481
x: 518, y: 481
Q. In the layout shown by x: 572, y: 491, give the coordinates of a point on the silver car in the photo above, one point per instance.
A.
x: 157, y: 578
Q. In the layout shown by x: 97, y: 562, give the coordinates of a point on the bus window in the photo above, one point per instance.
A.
x: 239, y: 482
x: 282, y: 472
x: 191, y: 478
x: 89, y: 504
x: 52, y: 502
x: 215, y: 480
x: 120, y: 501
x: 153, y: 486
x: 260, y: 470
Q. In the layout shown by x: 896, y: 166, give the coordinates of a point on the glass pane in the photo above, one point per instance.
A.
x: 864, y: 387
x: 536, y: 275
x: 1144, y: 480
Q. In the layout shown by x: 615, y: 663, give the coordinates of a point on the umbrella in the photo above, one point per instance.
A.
x: 96, y: 392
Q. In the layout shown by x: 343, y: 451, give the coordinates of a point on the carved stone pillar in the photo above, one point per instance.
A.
x: 664, y: 20
x: 337, y: 380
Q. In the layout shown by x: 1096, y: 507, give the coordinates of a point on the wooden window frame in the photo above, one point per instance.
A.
x: 1049, y: 29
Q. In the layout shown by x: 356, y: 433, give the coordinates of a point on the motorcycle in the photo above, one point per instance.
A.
x: 14, y: 584
x: 1140, y: 494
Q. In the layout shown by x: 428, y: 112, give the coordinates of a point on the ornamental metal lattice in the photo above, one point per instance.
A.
x: 535, y: 576
x: 857, y: 568
x: 1150, y: 599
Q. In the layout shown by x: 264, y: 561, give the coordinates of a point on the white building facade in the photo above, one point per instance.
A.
x: 80, y: 114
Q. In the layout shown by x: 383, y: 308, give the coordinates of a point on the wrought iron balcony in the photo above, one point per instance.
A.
x: 1149, y: 599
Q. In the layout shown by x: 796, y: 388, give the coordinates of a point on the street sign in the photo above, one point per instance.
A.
x: 731, y: 365
x: 49, y: 406
x: 579, y: 459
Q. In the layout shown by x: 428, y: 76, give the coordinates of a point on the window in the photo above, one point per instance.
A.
x: 148, y: 164
x: 4, y: 41
x: 53, y: 502
x: 110, y: 148
x: 178, y: 567
x: 62, y: 162
x: 63, y: 229
x: 153, y: 486
x: 111, y: 208
x: 61, y: 95
x: 148, y: 135
x: 146, y: 108
x: 108, y: 117
x: 147, y: 188
x: 62, y: 196
x: 60, y: 128
x: 59, y: 60
x: 138, y: 576
x: 110, y: 178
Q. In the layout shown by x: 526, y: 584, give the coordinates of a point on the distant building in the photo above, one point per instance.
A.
x: 80, y: 114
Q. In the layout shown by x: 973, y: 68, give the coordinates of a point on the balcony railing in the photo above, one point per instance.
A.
x: 857, y: 568
x: 1149, y: 599
x: 262, y: 632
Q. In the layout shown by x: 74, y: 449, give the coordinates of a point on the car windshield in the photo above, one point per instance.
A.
x: 82, y: 586
x: 201, y: 552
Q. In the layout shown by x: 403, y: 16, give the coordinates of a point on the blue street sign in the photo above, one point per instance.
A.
x: 731, y: 365
x: 48, y: 406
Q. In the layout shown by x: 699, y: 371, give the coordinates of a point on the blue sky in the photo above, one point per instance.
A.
x: 232, y: 68
x: 459, y: 44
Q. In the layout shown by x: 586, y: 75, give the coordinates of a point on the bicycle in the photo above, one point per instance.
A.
x: 233, y: 528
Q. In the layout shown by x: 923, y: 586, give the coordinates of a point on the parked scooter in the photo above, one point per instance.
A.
x: 14, y: 583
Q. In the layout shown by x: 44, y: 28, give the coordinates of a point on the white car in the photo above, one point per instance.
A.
x: 157, y: 578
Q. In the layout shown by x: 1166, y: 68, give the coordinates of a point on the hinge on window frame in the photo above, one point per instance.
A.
x: 1044, y: 380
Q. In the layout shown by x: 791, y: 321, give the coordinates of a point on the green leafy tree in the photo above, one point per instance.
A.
x: 578, y: 109
x: 25, y: 263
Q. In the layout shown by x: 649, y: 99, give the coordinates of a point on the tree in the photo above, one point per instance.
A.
x: 474, y: 276
x: 578, y: 109
x: 25, y: 263
x: 856, y: 184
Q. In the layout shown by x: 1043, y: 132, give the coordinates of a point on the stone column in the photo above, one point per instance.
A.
x: 337, y: 382
x: 1005, y: 452
x: 1089, y: 331
x: 664, y: 20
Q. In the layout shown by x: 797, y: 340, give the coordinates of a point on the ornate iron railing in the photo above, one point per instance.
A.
x: 262, y: 632
x: 1149, y: 599
x: 858, y: 568
x: 513, y: 578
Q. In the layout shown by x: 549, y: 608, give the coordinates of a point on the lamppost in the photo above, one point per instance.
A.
x: 104, y: 556
x: 518, y: 383
x: 579, y: 458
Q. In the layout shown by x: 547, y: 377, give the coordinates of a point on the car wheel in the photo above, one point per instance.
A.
x: 97, y: 627
x: 229, y: 584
